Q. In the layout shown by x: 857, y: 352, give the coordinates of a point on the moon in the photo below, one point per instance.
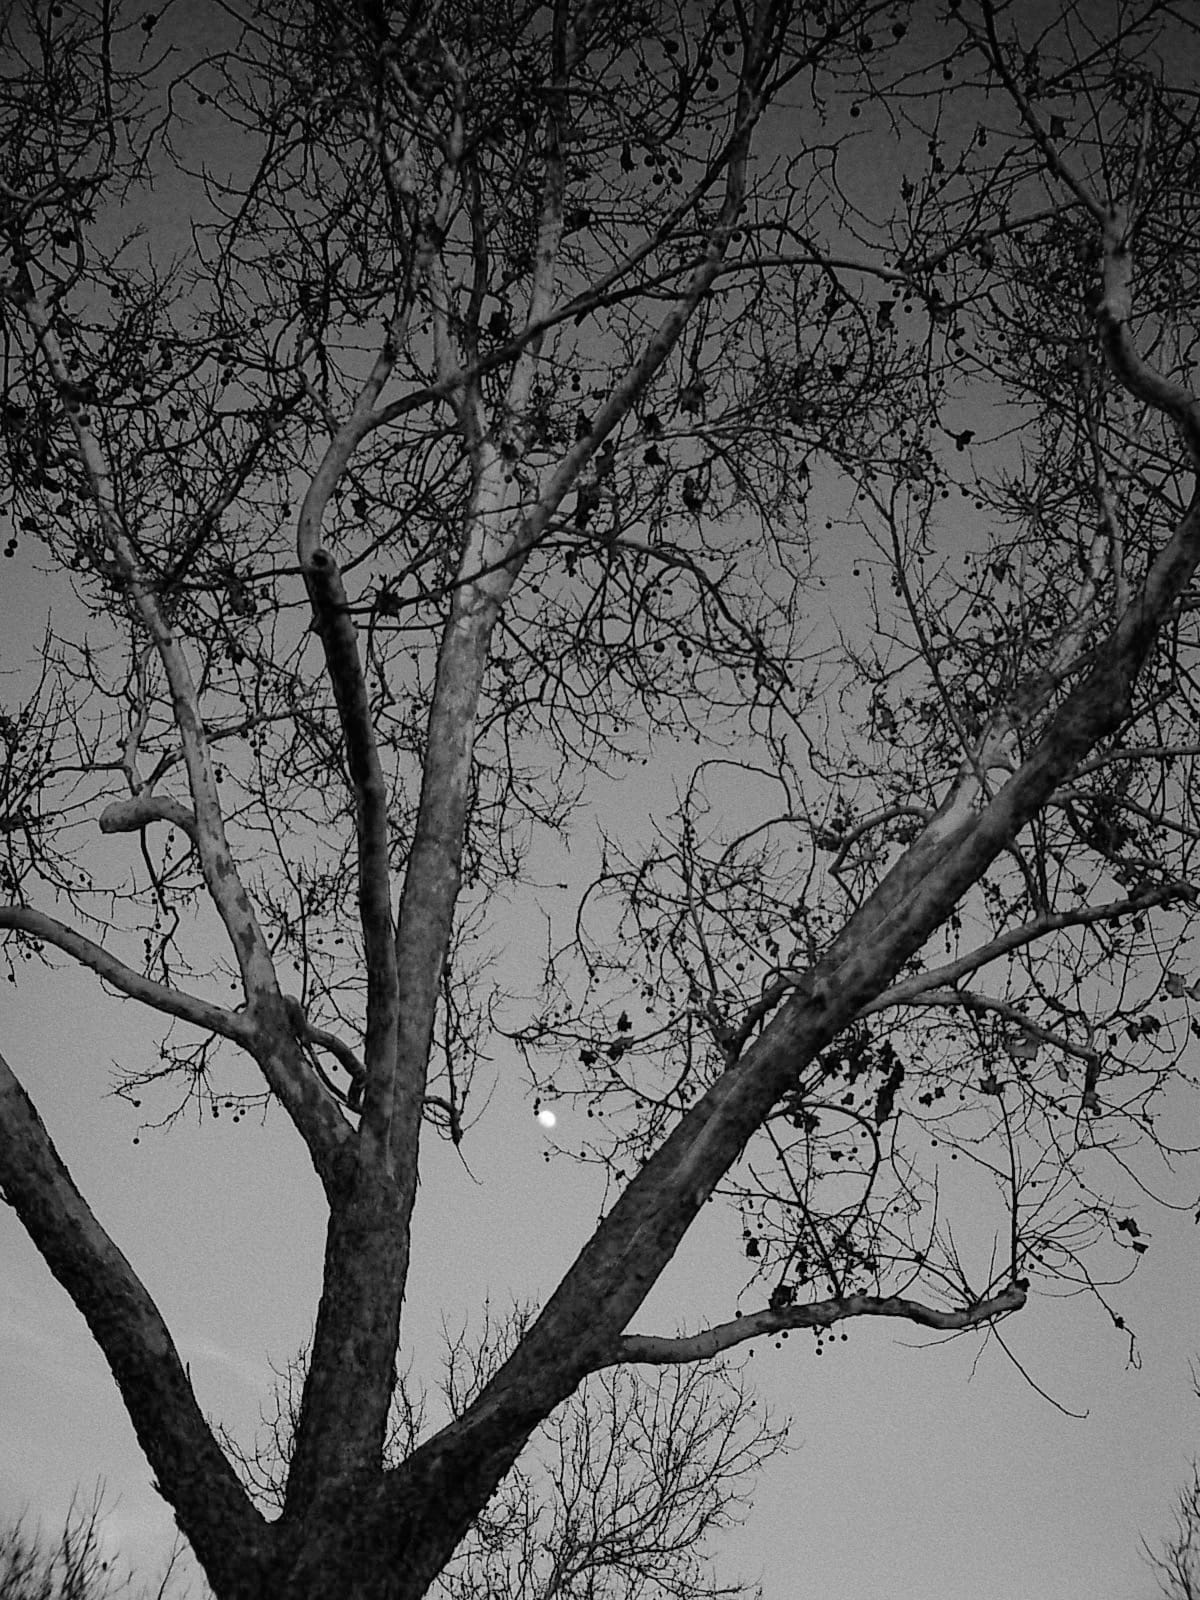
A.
x: 547, y: 1119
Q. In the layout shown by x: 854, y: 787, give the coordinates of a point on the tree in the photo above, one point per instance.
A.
x: 548, y: 389
x: 620, y: 1494
x: 1177, y: 1562
x: 74, y: 1567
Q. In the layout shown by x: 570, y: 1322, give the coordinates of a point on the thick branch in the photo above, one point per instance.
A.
x: 235, y: 1025
x: 337, y: 634
x: 432, y: 879
x: 344, y: 665
x: 657, y: 1351
x: 322, y: 1127
x: 625, y: 1256
x: 191, y: 1470
x: 128, y: 816
x: 1112, y: 316
x: 344, y: 1055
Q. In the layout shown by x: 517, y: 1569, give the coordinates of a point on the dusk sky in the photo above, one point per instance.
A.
x: 920, y: 1468
x: 1028, y: 1462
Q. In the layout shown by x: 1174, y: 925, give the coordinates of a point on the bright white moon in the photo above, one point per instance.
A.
x: 547, y: 1119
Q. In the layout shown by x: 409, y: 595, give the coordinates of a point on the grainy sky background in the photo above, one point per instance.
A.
x: 921, y: 1469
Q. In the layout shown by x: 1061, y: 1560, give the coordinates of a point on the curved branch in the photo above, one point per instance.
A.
x: 971, y: 1001
x: 128, y: 816
x: 844, y: 842
x: 945, y: 976
x: 1112, y: 316
x: 235, y: 1025
x: 323, y: 1130
x: 340, y: 1051
x: 308, y: 1034
x: 655, y: 1351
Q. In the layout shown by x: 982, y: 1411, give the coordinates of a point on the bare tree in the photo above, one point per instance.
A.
x: 73, y: 1566
x: 540, y: 383
x: 1176, y: 1564
x: 619, y: 1494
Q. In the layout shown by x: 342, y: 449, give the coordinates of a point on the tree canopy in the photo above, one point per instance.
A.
x: 418, y: 414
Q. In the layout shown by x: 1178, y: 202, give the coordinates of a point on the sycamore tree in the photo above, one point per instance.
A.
x: 413, y: 412
x: 621, y: 1493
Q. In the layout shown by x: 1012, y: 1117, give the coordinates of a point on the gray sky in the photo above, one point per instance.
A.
x: 920, y: 1470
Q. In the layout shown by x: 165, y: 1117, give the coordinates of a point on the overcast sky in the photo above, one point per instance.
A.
x: 920, y: 1469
